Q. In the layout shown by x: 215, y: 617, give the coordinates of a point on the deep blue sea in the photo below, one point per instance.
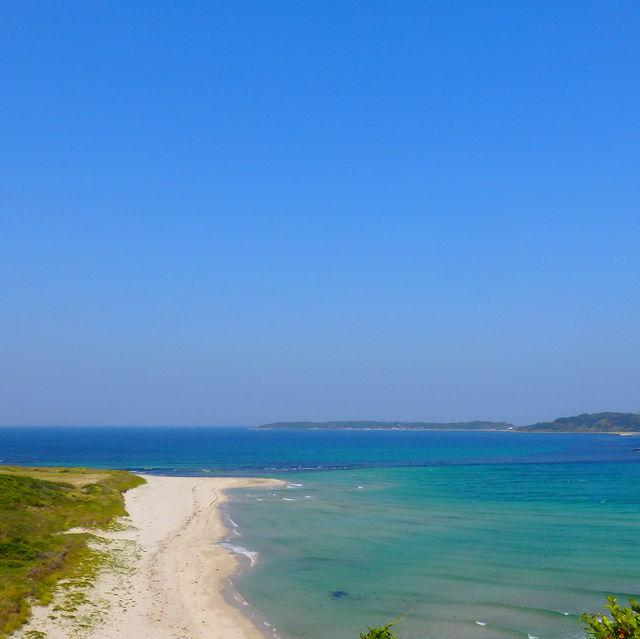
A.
x: 481, y: 534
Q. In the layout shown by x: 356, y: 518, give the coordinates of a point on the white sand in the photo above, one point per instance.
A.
x: 169, y: 573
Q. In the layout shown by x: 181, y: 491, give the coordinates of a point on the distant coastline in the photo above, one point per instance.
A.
x: 375, y: 425
x: 603, y: 423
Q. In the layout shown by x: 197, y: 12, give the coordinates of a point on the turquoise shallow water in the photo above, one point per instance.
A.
x: 518, y: 532
x: 520, y: 549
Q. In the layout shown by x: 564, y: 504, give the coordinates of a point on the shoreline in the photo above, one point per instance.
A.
x: 458, y: 430
x: 168, y: 574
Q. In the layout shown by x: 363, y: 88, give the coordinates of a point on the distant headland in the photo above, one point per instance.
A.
x: 589, y: 423
x: 373, y: 425
x: 584, y: 423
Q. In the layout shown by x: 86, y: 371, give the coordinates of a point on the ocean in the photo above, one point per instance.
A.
x: 478, y: 534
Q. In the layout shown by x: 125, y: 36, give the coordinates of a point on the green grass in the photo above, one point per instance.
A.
x: 36, y: 505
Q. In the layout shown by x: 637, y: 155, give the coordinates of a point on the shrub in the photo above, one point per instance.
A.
x: 384, y: 632
x: 623, y: 624
x: 379, y: 633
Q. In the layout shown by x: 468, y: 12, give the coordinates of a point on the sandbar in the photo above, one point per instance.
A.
x: 170, y: 575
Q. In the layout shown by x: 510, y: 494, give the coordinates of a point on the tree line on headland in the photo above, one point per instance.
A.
x: 584, y: 423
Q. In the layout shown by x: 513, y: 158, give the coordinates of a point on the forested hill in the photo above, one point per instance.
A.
x: 366, y: 425
x: 590, y: 423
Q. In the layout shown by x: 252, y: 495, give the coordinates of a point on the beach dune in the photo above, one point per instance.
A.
x: 175, y: 587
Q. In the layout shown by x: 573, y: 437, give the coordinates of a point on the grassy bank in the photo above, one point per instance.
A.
x: 36, y: 506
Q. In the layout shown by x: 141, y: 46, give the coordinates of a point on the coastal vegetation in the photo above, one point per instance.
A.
x: 379, y: 633
x: 624, y: 622
x: 584, y: 423
x: 385, y: 631
x: 37, y: 505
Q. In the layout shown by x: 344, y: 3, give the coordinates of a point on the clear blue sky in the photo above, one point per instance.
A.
x: 238, y: 212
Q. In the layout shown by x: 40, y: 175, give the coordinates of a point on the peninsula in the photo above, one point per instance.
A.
x: 589, y: 423
x: 372, y: 425
x: 133, y: 556
x: 585, y: 423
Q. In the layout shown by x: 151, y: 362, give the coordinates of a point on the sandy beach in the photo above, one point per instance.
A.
x: 169, y: 574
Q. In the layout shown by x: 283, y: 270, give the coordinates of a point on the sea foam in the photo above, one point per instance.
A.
x: 251, y: 555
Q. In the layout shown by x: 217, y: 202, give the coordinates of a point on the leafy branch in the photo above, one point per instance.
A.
x: 623, y: 624
x: 384, y: 632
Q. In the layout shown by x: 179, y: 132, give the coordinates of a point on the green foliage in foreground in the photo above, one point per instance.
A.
x: 624, y: 623
x: 33, y: 513
x: 384, y: 632
x: 379, y: 633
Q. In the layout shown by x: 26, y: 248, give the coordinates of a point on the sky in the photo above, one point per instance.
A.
x: 234, y: 213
